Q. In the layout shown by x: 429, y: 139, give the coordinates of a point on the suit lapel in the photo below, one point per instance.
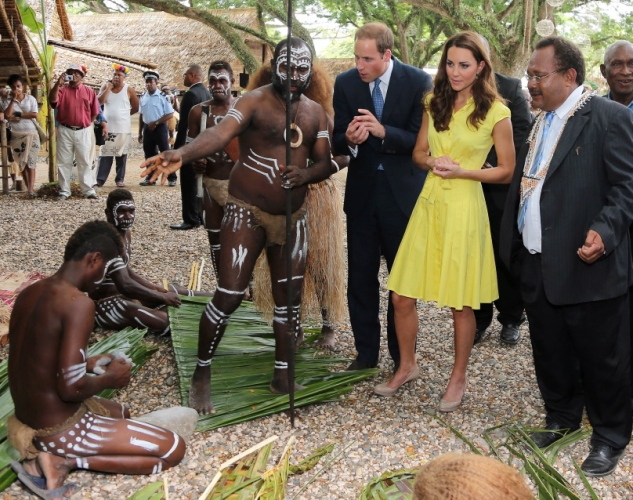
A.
x: 364, y: 100
x: 393, y: 93
x: 572, y: 130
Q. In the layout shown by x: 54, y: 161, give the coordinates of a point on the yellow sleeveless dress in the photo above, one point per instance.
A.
x: 446, y: 253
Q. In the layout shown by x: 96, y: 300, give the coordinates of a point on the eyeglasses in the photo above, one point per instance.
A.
x: 537, y: 79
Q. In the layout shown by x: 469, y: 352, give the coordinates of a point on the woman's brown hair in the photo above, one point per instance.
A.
x: 484, y: 89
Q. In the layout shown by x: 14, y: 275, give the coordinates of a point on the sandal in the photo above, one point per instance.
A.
x: 37, y: 484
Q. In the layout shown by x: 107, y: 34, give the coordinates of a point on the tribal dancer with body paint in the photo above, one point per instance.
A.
x: 117, y: 297
x: 59, y: 424
x: 217, y: 167
x: 323, y: 296
x: 254, y: 213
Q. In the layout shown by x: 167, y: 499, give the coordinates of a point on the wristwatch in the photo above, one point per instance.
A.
x: 156, y: 123
x: 18, y: 114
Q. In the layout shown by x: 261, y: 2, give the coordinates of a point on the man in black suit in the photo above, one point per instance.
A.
x: 195, y: 95
x: 509, y: 304
x: 378, y: 128
x: 618, y: 71
x: 564, y: 232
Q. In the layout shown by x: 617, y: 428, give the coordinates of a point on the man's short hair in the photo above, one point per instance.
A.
x: 219, y: 66
x: 196, y: 70
x: 567, y: 55
x: 95, y: 236
x: 608, y: 54
x: 117, y: 195
x: 379, y: 32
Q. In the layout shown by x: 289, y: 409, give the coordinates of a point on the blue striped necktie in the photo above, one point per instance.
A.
x: 376, y: 96
x: 534, y: 168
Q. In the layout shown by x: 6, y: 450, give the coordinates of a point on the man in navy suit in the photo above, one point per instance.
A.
x: 564, y: 232
x: 378, y: 128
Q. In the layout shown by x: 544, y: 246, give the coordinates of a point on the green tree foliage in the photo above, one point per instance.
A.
x: 420, y: 26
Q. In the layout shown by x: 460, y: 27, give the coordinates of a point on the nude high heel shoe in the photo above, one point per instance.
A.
x: 449, y: 406
x: 388, y: 392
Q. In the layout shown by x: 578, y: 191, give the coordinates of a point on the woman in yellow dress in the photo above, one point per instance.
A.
x: 446, y: 254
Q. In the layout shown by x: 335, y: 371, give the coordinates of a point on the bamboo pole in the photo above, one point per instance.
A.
x: 5, y: 158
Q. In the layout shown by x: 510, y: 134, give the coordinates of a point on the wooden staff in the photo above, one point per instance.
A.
x: 291, y: 328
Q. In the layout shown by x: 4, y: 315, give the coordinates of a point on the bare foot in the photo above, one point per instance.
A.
x: 299, y: 337
x: 327, y: 338
x: 200, y: 392
x: 279, y: 384
x: 32, y: 467
x: 55, y: 469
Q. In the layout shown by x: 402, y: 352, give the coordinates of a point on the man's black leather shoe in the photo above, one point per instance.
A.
x: 359, y: 365
x: 183, y: 226
x: 510, y: 334
x: 601, y: 461
x: 553, y: 434
x: 480, y: 334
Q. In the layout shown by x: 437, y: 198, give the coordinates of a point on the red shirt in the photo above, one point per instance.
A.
x: 76, y: 106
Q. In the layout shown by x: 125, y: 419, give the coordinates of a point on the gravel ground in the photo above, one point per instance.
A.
x: 383, y: 434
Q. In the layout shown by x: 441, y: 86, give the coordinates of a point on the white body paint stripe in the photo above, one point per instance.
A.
x: 141, y: 443
x: 143, y: 430
x: 176, y: 441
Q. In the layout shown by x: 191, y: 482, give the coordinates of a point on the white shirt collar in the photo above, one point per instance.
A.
x: 386, y: 76
x: 570, y: 102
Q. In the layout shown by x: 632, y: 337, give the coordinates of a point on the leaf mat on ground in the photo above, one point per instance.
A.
x: 243, y: 367
x: 128, y: 341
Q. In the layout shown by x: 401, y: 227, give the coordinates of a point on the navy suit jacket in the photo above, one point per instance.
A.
x: 402, y: 117
x: 589, y: 185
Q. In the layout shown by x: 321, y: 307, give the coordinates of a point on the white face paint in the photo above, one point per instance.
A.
x: 124, y: 213
x: 220, y: 83
x: 300, y: 61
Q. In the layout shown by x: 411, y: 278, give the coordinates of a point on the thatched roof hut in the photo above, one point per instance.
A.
x: 170, y: 42
x: 16, y: 55
x: 337, y: 66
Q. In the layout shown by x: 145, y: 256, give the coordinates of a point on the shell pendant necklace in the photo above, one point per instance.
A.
x: 293, y: 125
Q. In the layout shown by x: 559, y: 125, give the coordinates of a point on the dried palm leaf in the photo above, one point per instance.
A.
x: 241, y: 476
x: 395, y: 485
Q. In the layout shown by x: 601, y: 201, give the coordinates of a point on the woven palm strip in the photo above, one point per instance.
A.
x: 393, y: 485
x: 324, y: 279
x: 242, y: 367
x: 240, y: 478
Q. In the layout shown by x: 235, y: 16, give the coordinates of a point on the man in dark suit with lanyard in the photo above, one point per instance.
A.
x: 565, y: 233
x: 509, y: 304
x: 196, y: 94
x: 377, y: 116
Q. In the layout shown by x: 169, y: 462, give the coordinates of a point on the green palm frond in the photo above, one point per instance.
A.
x: 538, y: 464
x: 153, y: 491
x: 243, y: 367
